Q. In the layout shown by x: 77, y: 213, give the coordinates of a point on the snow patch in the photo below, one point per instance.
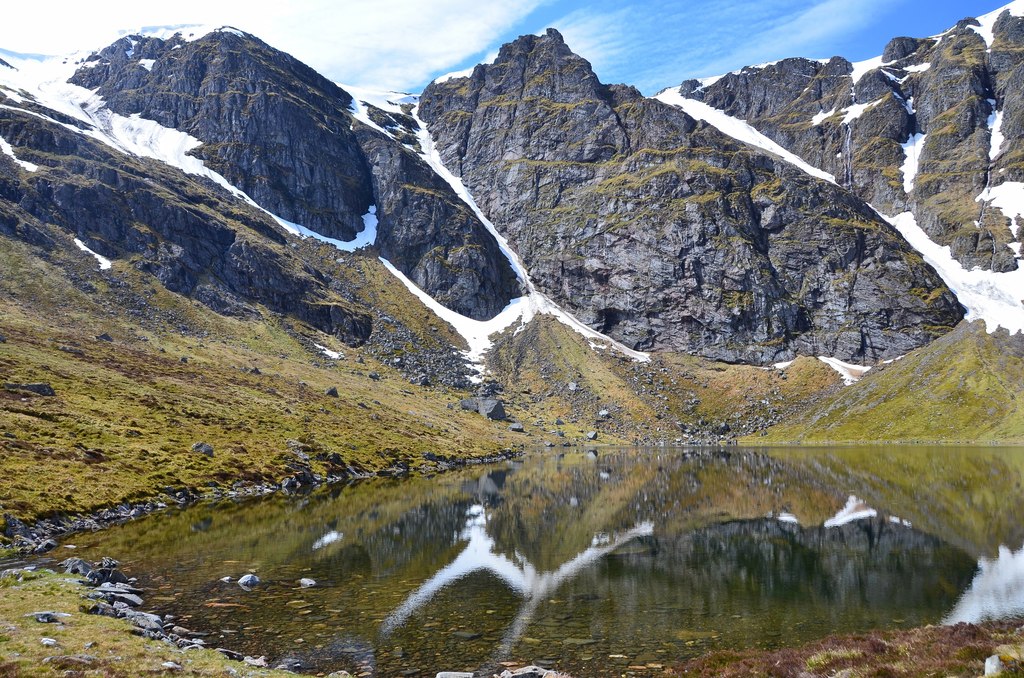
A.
x: 862, y: 68
x: 737, y: 129
x: 995, y: 125
x: 364, y: 238
x: 333, y: 355
x: 997, y: 591
x: 187, y: 32
x: 147, y: 63
x: 822, y: 116
x: 465, y: 73
x: 993, y: 297
x: 850, y: 373
x: 328, y: 538
x: 1008, y: 197
x: 103, y: 261
x: 900, y: 521
x: 855, y: 509
x: 917, y: 68
x: 784, y: 365
x: 787, y: 518
x: 477, y: 333
x: 911, y: 160
x: 856, y: 110
x: 988, y: 21
x: 385, y: 100
x: 8, y: 150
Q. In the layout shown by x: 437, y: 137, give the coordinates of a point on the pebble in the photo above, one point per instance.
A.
x: 48, y: 642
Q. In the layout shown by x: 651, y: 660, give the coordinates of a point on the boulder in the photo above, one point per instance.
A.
x: 492, y: 408
x: 332, y: 392
x: 306, y: 582
x: 203, y: 448
x: 994, y: 666
x: 39, y: 388
x: 516, y: 427
x: 75, y: 566
x: 591, y: 435
x: 144, y: 620
x: 48, y: 617
x: 248, y: 580
x: 44, y: 546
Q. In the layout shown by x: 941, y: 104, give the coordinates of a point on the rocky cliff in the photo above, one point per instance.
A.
x: 927, y: 127
x: 667, y: 234
x: 287, y: 137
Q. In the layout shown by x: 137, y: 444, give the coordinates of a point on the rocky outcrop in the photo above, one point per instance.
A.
x: 859, y: 124
x: 430, y: 234
x: 666, y: 234
x: 285, y: 135
x: 189, y: 236
x: 271, y: 125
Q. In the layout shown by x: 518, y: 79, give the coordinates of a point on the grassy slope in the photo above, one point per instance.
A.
x: 127, y: 412
x: 654, y: 400
x: 107, y: 646
x: 967, y: 386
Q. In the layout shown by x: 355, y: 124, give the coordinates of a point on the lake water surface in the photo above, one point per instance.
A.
x: 620, y: 562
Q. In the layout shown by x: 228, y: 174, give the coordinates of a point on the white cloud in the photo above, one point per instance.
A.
x: 383, y: 43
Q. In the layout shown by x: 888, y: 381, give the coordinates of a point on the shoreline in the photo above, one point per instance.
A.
x: 42, y: 536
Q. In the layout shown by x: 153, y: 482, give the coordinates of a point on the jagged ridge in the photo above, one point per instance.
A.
x: 666, y: 234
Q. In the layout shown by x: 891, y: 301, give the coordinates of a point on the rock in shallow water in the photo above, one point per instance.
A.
x: 248, y: 580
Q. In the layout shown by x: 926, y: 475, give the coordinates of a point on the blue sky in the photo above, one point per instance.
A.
x: 654, y: 45
x: 402, y: 44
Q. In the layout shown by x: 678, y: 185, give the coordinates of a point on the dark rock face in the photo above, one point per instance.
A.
x: 664, y: 233
x: 432, y: 236
x: 947, y: 89
x: 285, y: 135
x: 188, y: 235
x: 252, y: 107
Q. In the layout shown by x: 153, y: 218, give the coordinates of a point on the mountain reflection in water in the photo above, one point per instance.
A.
x: 636, y: 557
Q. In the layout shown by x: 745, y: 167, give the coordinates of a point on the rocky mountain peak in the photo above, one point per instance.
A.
x: 288, y: 137
x: 666, y: 233
x: 913, y: 131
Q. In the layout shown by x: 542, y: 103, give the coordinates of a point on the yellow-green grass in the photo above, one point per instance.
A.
x: 111, y: 647
x: 966, y: 386
x: 127, y: 412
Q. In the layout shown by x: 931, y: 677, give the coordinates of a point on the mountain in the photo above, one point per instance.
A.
x: 932, y: 126
x: 202, y: 234
x: 666, y: 234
